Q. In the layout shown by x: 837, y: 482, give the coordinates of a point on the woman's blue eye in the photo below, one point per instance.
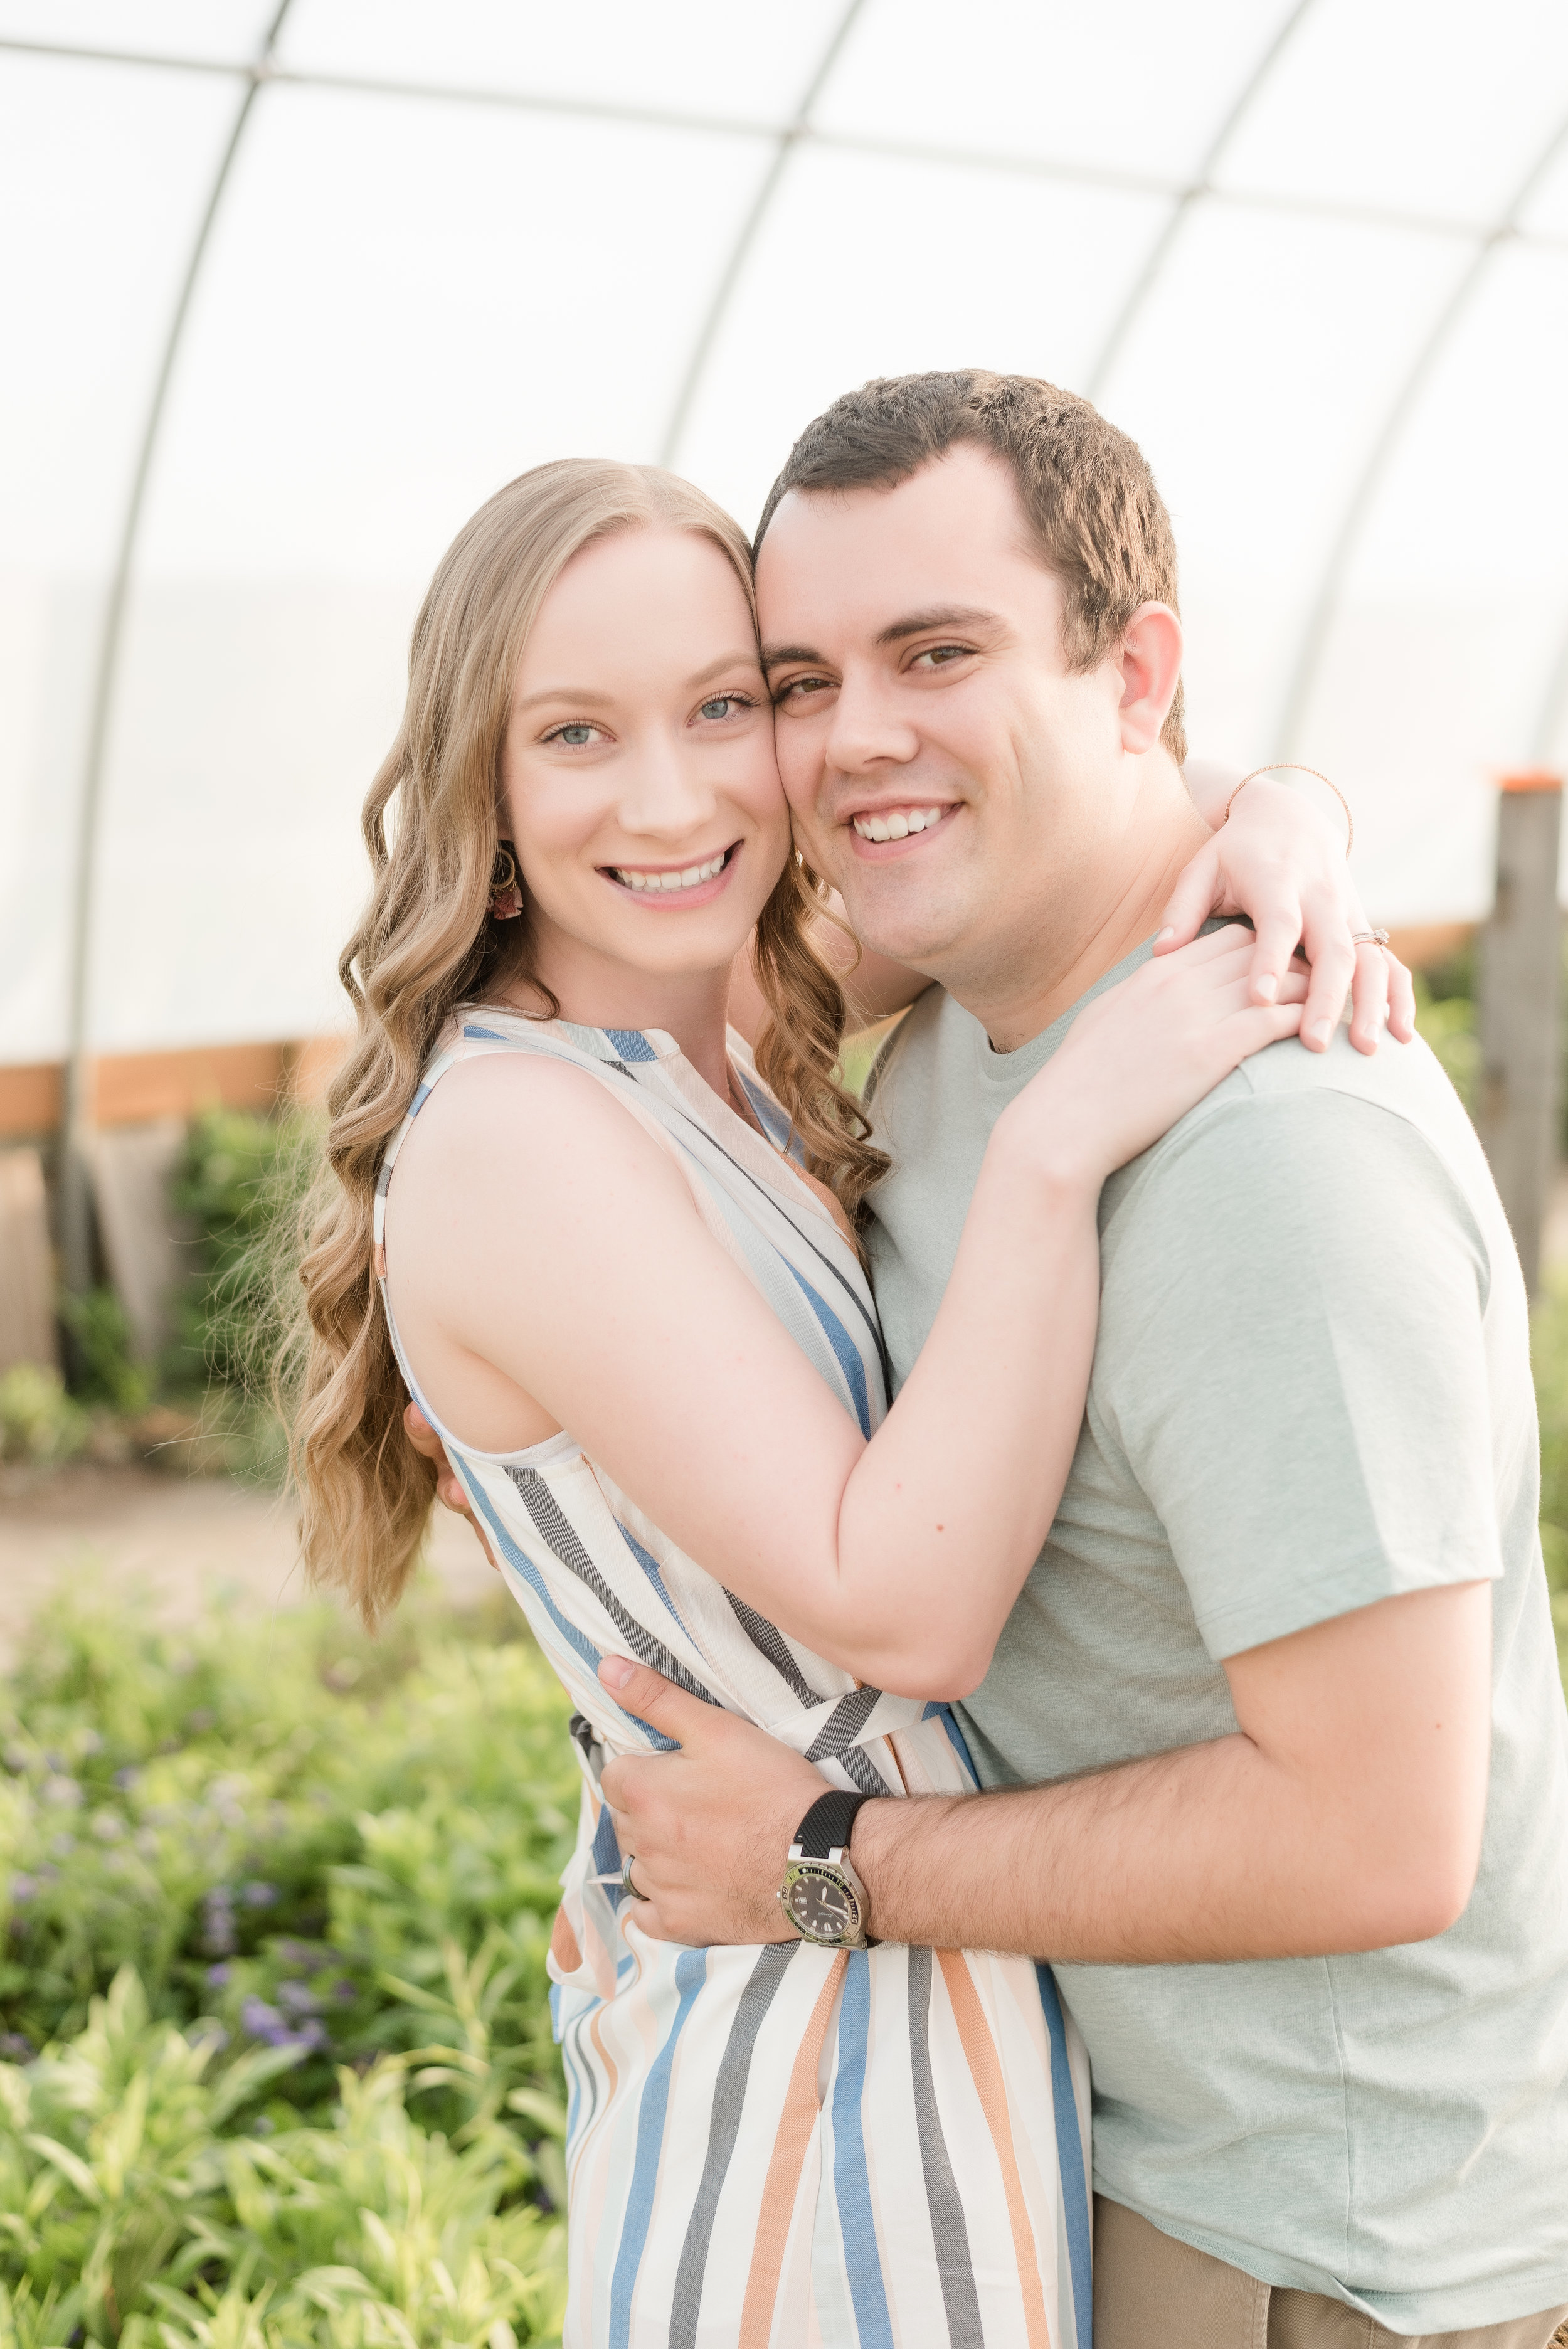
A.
x: 721, y: 705
x: 576, y: 735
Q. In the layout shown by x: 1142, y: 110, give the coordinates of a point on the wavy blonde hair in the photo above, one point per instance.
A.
x: 426, y: 944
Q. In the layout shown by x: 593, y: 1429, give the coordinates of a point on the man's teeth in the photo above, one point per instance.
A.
x: 897, y: 823
x: 690, y: 879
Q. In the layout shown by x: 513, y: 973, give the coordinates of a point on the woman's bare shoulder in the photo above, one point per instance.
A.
x: 532, y: 1126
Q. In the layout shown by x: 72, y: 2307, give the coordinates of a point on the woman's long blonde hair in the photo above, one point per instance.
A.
x: 426, y: 944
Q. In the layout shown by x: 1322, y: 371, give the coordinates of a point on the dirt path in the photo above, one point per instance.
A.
x: 183, y: 1541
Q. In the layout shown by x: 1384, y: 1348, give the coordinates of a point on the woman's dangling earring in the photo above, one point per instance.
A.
x: 506, y: 889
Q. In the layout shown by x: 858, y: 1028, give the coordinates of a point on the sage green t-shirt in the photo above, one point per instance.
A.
x: 1311, y: 1390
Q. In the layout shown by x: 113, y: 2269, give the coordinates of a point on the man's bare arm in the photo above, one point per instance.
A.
x: 1345, y: 1814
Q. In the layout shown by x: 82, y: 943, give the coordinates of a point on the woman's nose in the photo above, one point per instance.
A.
x: 666, y: 792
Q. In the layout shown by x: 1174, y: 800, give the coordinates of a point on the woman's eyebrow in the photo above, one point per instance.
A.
x: 748, y: 659
x: 576, y: 693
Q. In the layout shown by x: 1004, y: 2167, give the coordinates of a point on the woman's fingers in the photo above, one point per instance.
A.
x: 1369, y: 998
x: 1278, y: 935
x: 1401, y: 999
x: 1194, y: 899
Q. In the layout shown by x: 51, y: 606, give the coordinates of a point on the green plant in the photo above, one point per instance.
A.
x: 132, y: 2209
x: 238, y: 1187
x: 273, y: 1994
x: 39, y: 1420
x: 106, y: 1369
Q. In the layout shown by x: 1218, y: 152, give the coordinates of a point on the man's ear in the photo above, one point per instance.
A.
x: 1150, y: 672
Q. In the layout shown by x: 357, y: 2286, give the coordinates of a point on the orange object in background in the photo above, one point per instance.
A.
x: 132, y: 1088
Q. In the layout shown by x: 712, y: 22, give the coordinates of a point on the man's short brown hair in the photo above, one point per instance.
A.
x: 1098, y: 520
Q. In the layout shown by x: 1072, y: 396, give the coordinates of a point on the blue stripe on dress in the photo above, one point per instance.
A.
x: 1070, y: 2157
x: 691, y: 1972
x: 851, y: 2183
x: 650, y: 1567
x: 847, y: 1352
x: 630, y: 1044
x: 956, y: 1739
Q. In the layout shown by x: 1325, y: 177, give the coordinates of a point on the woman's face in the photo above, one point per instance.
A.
x: 641, y: 789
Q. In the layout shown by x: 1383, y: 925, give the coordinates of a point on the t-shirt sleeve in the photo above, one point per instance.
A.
x: 1295, y: 1310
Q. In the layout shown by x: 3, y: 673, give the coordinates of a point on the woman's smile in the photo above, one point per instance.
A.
x: 668, y: 887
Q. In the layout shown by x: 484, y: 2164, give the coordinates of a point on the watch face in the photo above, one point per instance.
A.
x: 822, y: 1904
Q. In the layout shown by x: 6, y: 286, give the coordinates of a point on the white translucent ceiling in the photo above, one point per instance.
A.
x: 1315, y: 256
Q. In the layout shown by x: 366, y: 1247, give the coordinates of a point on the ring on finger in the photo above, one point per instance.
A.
x: 1369, y: 937
x: 626, y: 1883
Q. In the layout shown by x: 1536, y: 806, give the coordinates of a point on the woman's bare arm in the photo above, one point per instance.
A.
x: 543, y: 1247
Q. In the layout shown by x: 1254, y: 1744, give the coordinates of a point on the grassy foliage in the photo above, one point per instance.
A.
x: 273, y: 1993
x: 237, y: 1188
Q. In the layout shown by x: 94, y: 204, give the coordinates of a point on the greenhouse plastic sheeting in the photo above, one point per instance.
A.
x: 1315, y: 257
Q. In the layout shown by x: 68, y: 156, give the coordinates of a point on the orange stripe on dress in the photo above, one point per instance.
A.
x: 797, y: 2121
x: 985, y: 2070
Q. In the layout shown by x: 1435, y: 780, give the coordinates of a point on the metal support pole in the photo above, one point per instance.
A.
x: 1521, y: 987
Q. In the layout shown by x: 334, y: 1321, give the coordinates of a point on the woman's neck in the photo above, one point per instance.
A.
x: 595, y: 992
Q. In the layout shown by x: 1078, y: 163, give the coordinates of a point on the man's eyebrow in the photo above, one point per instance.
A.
x: 775, y: 656
x: 939, y: 616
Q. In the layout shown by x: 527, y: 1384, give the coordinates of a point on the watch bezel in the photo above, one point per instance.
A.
x: 835, y: 1869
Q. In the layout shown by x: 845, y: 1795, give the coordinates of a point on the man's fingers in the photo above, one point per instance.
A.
x: 648, y: 1697
x: 422, y: 1435
x: 1193, y: 900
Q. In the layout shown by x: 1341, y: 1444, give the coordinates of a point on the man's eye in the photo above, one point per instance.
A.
x: 799, y: 686
x: 940, y: 655
x: 722, y: 703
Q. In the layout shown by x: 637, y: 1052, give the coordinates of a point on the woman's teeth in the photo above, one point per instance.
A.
x: 897, y: 823
x: 690, y: 879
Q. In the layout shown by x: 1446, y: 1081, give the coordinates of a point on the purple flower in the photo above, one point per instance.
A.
x: 218, y: 1923
x: 263, y: 2022
x: 258, y: 1895
x: 296, y: 1999
x: 23, y: 1889
x: 345, y: 1991
x: 14, y: 2049
x: 126, y: 1778
x: 218, y: 1975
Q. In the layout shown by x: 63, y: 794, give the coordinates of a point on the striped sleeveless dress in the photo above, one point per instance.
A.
x: 768, y: 2147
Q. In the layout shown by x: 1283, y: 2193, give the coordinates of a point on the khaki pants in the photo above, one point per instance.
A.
x: 1153, y: 2292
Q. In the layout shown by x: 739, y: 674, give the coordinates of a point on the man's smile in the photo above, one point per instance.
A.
x: 878, y: 827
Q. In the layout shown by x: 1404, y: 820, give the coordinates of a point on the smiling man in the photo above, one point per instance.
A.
x: 1273, y: 1742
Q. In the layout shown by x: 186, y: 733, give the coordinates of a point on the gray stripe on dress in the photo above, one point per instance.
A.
x: 770, y: 1641
x: 728, y: 2103
x: 949, y: 2233
x: 843, y: 1724
x: 555, y: 1527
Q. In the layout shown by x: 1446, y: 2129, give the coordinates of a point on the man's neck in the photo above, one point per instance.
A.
x: 1110, y: 903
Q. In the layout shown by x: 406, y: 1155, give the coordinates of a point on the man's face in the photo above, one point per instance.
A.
x: 945, y: 770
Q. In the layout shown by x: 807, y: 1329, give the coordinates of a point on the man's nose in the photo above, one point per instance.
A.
x: 867, y: 730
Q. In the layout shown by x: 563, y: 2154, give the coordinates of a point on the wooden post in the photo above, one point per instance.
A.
x: 1520, y: 986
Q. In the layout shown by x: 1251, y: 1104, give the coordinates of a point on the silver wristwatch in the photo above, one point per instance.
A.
x: 821, y: 1896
